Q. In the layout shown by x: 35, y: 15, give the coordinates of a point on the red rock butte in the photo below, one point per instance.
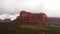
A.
x: 32, y: 18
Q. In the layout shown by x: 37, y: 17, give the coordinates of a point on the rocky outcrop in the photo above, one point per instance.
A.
x: 32, y: 18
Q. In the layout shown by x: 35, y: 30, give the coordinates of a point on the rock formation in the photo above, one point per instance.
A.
x: 32, y: 18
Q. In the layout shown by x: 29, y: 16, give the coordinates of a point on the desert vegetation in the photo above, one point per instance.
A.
x: 13, y: 28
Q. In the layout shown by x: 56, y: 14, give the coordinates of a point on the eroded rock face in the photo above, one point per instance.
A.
x: 29, y: 18
x: 43, y: 19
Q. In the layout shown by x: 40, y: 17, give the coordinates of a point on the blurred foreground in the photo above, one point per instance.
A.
x: 13, y: 28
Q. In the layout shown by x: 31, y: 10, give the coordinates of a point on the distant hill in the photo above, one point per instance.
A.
x: 5, y: 21
x: 54, y: 20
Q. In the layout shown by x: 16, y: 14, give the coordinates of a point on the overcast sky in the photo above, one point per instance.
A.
x: 50, y: 7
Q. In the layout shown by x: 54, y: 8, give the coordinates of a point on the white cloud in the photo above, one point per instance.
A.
x: 5, y: 16
x: 51, y: 7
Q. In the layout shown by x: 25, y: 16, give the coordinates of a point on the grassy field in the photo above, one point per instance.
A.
x: 29, y: 29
